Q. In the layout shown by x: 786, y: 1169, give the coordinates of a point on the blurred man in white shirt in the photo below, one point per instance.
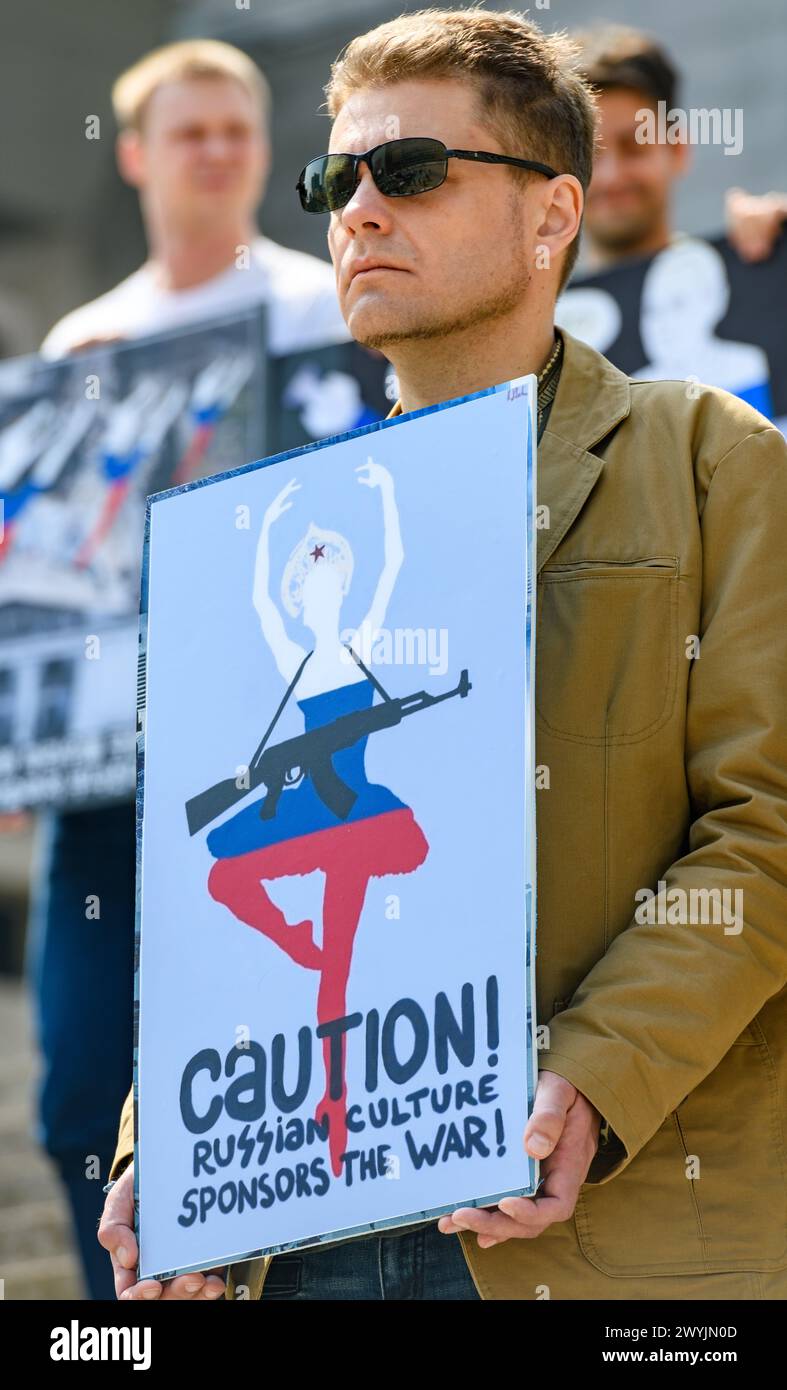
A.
x: 194, y: 142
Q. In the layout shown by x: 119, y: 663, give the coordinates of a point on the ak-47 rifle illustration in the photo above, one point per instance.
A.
x: 311, y: 755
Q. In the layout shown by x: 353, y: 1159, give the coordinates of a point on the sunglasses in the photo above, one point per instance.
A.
x: 398, y: 167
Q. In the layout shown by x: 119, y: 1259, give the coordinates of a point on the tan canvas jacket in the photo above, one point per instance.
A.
x: 661, y: 697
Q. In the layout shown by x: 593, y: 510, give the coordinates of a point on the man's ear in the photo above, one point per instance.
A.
x: 130, y: 155
x: 561, y: 217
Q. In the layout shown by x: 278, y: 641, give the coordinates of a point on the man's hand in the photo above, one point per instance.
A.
x: 116, y: 1234
x: 754, y: 223
x: 99, y: 340
x: 563, y: 1132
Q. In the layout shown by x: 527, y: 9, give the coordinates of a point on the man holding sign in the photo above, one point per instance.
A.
x: 460, y: 153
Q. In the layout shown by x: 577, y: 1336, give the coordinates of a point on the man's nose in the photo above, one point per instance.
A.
x: 216, y: 146
x: 368, y: 207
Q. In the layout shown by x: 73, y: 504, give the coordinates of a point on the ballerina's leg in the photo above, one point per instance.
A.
x: 236, y: 883
x: 389, y: 844
x: 345, y: 889
x: 348, y: 855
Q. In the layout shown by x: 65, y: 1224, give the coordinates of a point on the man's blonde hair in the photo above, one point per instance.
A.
x: 531, y: 94
x: 177, y: 62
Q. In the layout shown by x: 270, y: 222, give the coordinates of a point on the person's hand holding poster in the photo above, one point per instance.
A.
x: 336, y: 887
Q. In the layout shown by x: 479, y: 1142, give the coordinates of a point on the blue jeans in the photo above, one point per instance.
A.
x: 421, y: 1266
x: 81, y: 971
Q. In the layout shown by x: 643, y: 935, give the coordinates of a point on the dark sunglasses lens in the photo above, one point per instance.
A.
x: 409, y: 166
x: 327, y: 183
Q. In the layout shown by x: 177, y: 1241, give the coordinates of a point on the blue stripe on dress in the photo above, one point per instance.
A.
x: 300, y: 810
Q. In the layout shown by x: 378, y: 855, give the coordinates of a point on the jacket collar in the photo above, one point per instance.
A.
x: 592, y: 397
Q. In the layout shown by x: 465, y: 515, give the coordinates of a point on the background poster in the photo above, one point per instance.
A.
x: 695, y: 310
x: 322, y: 392
x: 83, y: 441
x: 400, y: 927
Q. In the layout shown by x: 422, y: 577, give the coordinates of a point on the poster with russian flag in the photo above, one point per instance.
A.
x: 83, y: 441
x: 335, y: 1019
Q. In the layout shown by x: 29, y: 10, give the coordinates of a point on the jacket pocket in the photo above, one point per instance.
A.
x: 606, y: 655
x: 708, y: 1193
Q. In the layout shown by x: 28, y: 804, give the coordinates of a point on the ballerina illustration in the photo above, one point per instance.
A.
x: 320, y: 811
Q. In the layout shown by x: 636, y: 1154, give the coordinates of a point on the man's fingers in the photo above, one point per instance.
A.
x: 98, y: 341
x: 554, y: 1097
x: 124, y: 1279
x: 116, y: 1234
x: 147, y: 1289
x: 121, y: 1243
x: 194, y: 1287
x: 558, y: 1195
x: 543, y: 1131
x: 214, y: 1288
x: 495, y: 1224
x: 184, y: 1288
x: 116, y: 1227
x: 563, y: 1172
x: 521, y: 1217
x: 568, y: 1125
x: 116, y: 1231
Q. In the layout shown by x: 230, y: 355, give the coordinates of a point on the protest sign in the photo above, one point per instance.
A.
x: 82, y: 442
x: 336, y: 852
x: 694, y: 312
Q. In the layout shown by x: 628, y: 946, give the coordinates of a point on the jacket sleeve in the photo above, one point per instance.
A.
x: 659, y: 1010
x: 124, y: 1151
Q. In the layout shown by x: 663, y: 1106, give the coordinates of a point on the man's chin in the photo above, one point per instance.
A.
x: 382, y: 325
x: 375, y: 330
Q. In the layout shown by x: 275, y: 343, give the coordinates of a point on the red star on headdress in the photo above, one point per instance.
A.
x: 318, y: 553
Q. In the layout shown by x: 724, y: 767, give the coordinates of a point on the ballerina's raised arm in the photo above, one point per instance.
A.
x: 287, y: 654
x: 372, y: 474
